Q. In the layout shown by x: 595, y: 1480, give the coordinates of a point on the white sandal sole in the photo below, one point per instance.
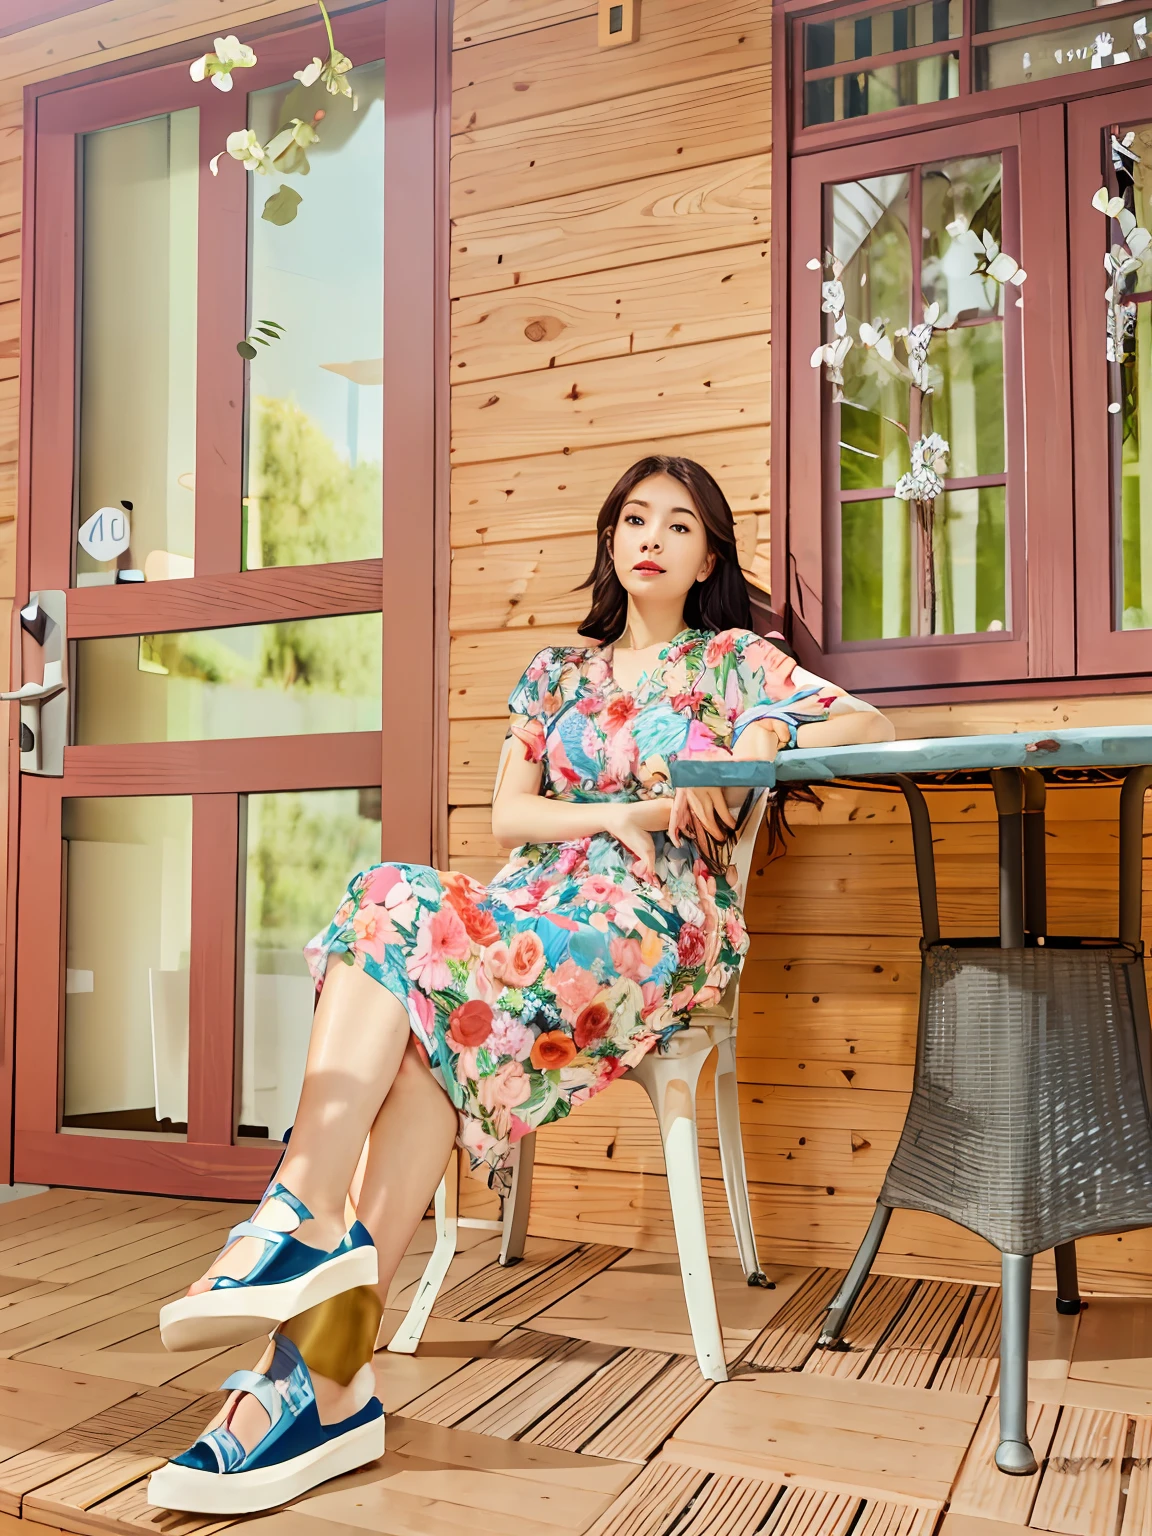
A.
x: 245, y: 1493
x: 240, y: 1313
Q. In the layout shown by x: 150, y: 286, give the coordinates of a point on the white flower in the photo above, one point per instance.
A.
x: 924, y: 481
x: 243, y: 145
x: 876, y: 340
x: 832, y: 297
x: 230, y: 54
x: 311, y: 73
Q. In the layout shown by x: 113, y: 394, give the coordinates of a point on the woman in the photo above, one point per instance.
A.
x: 447, y: 1007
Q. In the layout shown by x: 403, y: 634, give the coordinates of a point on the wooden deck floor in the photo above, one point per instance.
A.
x: 561, y: 1397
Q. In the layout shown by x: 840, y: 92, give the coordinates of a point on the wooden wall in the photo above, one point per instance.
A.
x: 610, y: 290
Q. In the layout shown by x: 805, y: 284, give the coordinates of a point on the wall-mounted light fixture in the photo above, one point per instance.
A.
x: 618, y: 22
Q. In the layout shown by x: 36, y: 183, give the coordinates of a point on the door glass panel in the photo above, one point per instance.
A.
x: 137, y: 451
x: 864, y: 93
x: 892, y: 556
x: 305, y: 677
x: 315, y: 403
x: 128, y: 905
x: 1130, y: 387
x: 302, y: 849
x: 1100, y: 43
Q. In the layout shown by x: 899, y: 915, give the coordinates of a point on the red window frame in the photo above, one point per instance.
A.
x: 1062, y: 625
x: 405, y: 759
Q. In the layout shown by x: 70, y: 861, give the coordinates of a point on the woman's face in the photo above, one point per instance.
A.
x: 659, y: 546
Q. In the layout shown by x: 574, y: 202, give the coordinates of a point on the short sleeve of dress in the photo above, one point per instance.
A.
x: 758, y: 681
x: 531, y: 702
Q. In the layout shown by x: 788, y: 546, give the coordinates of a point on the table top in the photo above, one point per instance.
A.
x: 1093, y: 755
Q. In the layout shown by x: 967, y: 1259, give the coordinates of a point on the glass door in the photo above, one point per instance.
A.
x: 205, y: 526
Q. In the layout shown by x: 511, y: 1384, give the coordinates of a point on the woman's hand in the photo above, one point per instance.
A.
x: 703, y: 809
x: 625, y: 821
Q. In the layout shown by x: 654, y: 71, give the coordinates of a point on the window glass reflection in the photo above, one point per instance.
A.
x: 315, y: 402
x: 137, y: 449
x: 300, y: 851
x: 128, y: 904
x: 299, y: 678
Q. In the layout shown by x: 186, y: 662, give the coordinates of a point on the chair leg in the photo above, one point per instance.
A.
x: 518, y: 1201
x: 407, y: 1337
x: 848, y: 1294
x: 732, y: 1162
x: 1067, y: 1280
x: 670, y: 1082
x: 1014, y: 1454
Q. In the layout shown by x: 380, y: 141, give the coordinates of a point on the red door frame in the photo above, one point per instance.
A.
x: 413, y: 36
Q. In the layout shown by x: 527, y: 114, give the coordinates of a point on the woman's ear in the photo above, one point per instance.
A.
x: 708, y: 567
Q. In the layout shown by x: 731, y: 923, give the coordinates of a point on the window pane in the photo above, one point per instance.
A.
x: 1135, y: 476
x: 992, y: 14
x: 876, y: 557
x: 961, y: 201
x: 967, y: 405
x: 1067, y: 51
x: 137, y: 447
x: 864, y: 93
x: 129, y: 924
x: 971, y: 561
x: 302, y: 849
x: 870, y: 237
x: 863, y: 37
x: 881, y: 580
x: 294, y: 679
x: 315, y: 402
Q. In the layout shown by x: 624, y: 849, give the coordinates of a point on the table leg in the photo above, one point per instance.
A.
x: 1035, y: 855
x: 1008, y: 787
x: 848, y: 1294
x: 1067, y: 1281
x: 1014, y: 1454
x: 925, y: 856
x: 1136, y: 784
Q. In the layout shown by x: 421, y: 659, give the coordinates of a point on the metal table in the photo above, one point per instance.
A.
x: 1030, y: 1118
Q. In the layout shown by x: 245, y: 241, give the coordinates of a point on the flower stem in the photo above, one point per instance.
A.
x: 327, y: 27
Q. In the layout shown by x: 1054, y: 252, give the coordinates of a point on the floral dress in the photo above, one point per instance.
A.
x: 533, y: 993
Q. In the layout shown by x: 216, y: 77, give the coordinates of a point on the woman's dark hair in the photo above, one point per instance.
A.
x: 717, y: 603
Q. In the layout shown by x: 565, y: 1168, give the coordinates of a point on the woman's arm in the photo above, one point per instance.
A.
x: 521, y: 814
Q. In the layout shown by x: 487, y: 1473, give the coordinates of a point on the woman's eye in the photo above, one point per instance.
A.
x: 635, y: 518
x: 680, y: 528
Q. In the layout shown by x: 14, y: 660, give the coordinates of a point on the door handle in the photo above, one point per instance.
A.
x: 44, y: 705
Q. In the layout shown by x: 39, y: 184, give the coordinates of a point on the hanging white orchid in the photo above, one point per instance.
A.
x: 917, y: 341
x: 876, y: 339
x: 925, y: 480
x: 230, y: 54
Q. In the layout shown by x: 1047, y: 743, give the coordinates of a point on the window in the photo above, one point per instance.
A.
x: 968, y: 398
x: 212, y: 469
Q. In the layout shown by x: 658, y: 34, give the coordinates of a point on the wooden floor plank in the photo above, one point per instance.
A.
x: 874, y: 1315
x: 650, y: 1418
x: 982, y: 1490
x: 571, y: 1424
x: 1080, y: 1488
x: 484, y: 1378
x: 653, y: 1503
x: 909, y: 1355
x: 495, y: 1280
x: 791, y: 1336
x: 539, y: 1390
x: 539, y: 1291
x: 1138, y: 1502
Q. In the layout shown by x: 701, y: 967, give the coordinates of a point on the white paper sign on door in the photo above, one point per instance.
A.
x: 106, y: 534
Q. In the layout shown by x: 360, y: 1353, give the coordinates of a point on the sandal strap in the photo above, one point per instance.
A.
x: 224, y: 1445
x: 253, y: 1228
x: 259, y: 1387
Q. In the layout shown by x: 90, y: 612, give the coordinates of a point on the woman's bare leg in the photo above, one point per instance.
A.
x: 411, y: 1140
x: 359, y: 1036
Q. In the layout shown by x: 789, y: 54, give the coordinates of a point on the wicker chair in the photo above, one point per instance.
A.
x: 670, y: 1079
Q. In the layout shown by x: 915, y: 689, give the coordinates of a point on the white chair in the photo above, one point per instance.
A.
x: 670, y: 1079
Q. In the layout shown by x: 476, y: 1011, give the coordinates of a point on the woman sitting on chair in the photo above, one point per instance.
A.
x: 452, y: 1009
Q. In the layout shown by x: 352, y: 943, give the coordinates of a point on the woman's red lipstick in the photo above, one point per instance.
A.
x: 648, y: 565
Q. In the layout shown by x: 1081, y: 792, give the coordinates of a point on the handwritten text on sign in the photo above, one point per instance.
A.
x: 106, y: 533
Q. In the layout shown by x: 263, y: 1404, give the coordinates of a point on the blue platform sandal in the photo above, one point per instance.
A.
x: 287, y: 1278
x: 217, y: 1476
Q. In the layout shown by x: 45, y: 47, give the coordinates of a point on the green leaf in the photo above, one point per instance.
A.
x: 246, y: 349
x: 281, y: 206
x: 271, y: 325
x: 266, y: 330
